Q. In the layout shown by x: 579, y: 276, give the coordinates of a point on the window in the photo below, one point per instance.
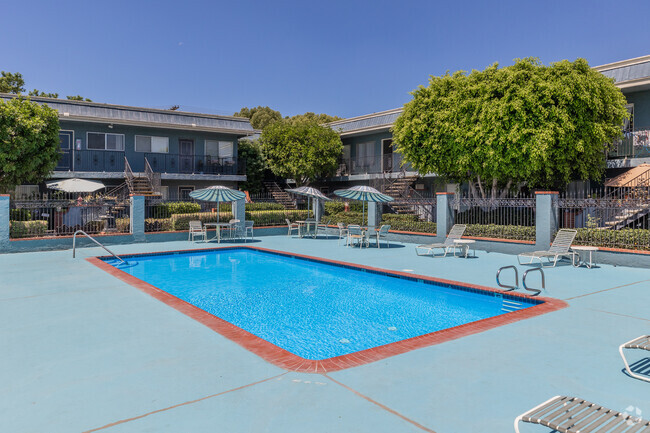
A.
x: 164, y: 192
x: 628, y: 126
x: 219, y: 149
x: 145, y: 143
x: 365, y: 152
x: 102, y: 141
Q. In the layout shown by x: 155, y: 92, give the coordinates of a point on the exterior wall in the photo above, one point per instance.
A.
x: 641, y: 101
x: 136, y: 159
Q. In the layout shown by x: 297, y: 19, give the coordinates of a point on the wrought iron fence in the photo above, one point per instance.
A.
x: 61, y: 214
x: 510, y: 217
x: 606, y: 220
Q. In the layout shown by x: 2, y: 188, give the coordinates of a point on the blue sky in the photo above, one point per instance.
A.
x: 344, y: 58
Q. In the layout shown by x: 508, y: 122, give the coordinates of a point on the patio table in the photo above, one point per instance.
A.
x: 304, y: 228
x: 218, y: 227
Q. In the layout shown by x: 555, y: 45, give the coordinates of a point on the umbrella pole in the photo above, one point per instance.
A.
x: 363, y: 213
x: 217, y: 214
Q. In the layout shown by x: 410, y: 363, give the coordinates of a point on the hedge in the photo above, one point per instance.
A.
x: 20, y: 215
x: 165, y: 210
x: 523, y: 233
x: 336, y: 207
x: 27, y: 229
x: 637, y: 239
x: 408, y: 223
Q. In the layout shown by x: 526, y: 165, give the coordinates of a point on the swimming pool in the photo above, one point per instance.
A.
x: 319, y: 310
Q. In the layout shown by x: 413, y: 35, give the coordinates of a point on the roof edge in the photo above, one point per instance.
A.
x: 365, y: 116
x: 622, y: 63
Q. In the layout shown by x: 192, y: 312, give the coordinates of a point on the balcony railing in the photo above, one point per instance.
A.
x: 634, y: 144
x: 370, y: 165
x: 197, y: 164
x: 112, y: 161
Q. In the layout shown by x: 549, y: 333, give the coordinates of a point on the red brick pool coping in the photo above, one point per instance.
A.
x: 284, y: 359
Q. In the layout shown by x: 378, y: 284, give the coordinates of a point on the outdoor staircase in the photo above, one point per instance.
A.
x: 280, y: 195
x: 632, y: 190
x: 147, y: 185
x: 401, y: 188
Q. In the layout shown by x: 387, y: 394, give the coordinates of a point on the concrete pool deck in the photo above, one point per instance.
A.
x: 84, y: 351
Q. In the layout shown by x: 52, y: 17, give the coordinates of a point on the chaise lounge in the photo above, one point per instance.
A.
x: 574, y: 415
x: 559, y: 248
x: 455, y: 233
x: 643, y: 343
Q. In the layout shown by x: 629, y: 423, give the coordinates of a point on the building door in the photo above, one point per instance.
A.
x: 65, y: 143
x: 387, y: 152
x: 186, y: 156
x: 184, y: 192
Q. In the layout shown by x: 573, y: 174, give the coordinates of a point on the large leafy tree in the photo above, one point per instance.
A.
x: 251, y: 153
x: 542, y: 125
x: 259, y: 116
x: 300, y: 150
x: 11, y: 83
x: 29, y: 142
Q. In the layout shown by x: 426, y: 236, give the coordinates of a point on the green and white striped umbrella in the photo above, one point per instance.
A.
x: 363, y: 193
x: 217, y: 193
x: 308, y: 192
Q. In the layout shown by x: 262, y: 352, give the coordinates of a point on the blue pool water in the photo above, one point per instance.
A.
x: 312, y: 309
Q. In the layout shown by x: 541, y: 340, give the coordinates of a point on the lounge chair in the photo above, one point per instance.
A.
x: 383, y: 233
x: 343, y: 232
x: 455, y: 233
x: 571, y: 414
x: 559, y: 248
x: 292, y: 227
x: 642, y: 342
x: 197, y: 229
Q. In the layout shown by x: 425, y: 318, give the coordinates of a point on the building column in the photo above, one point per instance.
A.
x: 137, y: 218
x: 239, y: 212
x: 5, y: 245
x: 546, y: 223
x: 444, y: 214
x: 374, y: 214
x: 318, y: 209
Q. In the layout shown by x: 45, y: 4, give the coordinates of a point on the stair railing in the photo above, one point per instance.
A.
x: 128, y: 174
x: 154, y: 178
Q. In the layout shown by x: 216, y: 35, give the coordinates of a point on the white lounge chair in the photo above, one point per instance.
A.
x: 455, y: 233
x: 643, y: 343
x: 573, y: 415
x: 292, y: 227
x: 559, y: 248
x: 383, y: 233
x: 197, y: 229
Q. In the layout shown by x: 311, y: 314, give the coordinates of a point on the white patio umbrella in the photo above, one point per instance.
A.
x: 309, y: 192
x: 75, y: 185
x: 363, y: 193
x: 217, y: 193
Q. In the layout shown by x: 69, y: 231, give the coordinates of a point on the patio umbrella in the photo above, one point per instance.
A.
x: 217, y: 193
x: 75, y: 185
x: 308, y: 192
x: 363, y: 193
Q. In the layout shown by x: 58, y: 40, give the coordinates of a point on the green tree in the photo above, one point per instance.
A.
x: 312, y: 117
x: 37, y: 92
x: 543, y: 125
x: 12, y: 83
x: 78, y: 98
x: 303, y: 151
x: 250, y: 152
x: 29, y: 142
x: 259, y: 116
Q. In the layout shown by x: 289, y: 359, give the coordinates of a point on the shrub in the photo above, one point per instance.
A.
x: 336, y: 207
x: 158, y: 225
x: 27, y: 229
x: 123, y: 225
x: 275, y: 217
x: 20, y: 215
x: 348, y: 218
x: 408, y: 223
x: 263, y: 206
x: 93, y: 226
x: 182, y: 221
x: 501, y: 231
x: 637, y: 239
x: 165, y: 210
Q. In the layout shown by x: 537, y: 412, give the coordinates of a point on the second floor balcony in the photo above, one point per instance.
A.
x: 113, y: 162
x: 634, y: 144
x: 375, y: 164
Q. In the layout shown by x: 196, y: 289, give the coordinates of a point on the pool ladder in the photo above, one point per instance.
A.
x: 507, y: 288
x: 74, y: 242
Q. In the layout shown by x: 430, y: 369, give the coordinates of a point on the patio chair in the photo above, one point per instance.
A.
x: 197, y: 229
x: 559, y: 248
x: 292, y: 226
x: 248, y: 228
x: 383, y: 233
x: 343, y: 232
x: 571, y: 414
x: 643, y: 343
x: 321, y: 226
x: 236, y: 229
x: 455, y: 233
x: 355, y: 233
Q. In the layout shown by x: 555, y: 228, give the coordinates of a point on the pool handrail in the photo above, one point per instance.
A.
x: 74, y: 242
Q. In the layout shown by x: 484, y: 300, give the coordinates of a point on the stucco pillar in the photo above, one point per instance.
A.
x: 239, y: 212
x: 444, y: 214
x: 4, y: 223
x: 546, y: 223
x: 137, y: 218
x: 318, y: 209
x: 374, y: 214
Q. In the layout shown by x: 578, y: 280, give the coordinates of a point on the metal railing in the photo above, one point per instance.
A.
x: 634, y: 144
x: 511, y: 217
x: 194, y: 164
x: 74, y: 245
x: 98, y: 160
